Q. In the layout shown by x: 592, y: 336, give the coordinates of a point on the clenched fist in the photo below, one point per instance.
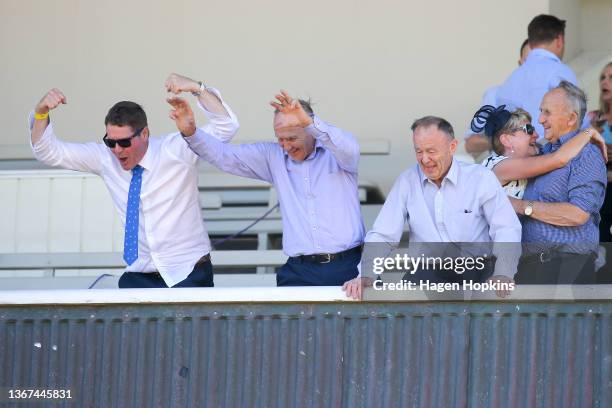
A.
x: 176, y: 84
x: 50, y: 101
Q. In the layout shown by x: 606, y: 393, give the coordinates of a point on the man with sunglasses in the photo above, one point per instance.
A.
x: 153, y: 182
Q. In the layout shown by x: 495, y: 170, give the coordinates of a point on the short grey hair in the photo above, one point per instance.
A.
x: 576, y: 99
x: 439, y: 123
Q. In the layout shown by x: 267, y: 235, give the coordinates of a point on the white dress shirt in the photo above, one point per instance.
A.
x: 318, y: 197
x: 469, y: 206
x: 171, y: 232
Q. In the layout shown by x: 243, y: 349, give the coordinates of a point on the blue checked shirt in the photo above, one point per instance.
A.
x: 581, y: 183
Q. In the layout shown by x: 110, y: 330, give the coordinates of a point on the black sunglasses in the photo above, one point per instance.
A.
x: 527, y: 128
x: 125, y: 142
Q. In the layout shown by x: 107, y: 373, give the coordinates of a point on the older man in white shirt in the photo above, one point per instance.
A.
x: 153, y: 182
x: 444, y: 201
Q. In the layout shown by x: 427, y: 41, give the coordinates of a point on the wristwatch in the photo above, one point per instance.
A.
x: 202, y: 89
x: 529, y: 208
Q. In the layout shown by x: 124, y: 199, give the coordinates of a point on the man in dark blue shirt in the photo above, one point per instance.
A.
x: 561, y: 208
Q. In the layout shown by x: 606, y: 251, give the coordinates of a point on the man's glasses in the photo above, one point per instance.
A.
x: 125, y: 142
x: 527, y: 128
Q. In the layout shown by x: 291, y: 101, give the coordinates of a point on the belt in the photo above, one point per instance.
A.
x: 325, y: 258
x: 547, y: 256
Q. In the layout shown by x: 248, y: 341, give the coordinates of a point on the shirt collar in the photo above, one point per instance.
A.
x: 541, y: 52
x: 551, y: 147
x: 452, y: 175
x: 147, y: 160
x: 568, y: 136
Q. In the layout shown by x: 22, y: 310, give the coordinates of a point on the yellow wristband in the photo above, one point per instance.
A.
x: 41, y: 116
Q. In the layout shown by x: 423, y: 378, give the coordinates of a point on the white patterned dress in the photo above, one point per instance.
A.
x: 514, y: 188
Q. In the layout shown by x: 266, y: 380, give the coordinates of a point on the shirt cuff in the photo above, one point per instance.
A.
x: 45, y: 136
x: 317, y: 128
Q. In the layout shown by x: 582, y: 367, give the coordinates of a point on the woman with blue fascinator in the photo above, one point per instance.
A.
x: 515, y: 158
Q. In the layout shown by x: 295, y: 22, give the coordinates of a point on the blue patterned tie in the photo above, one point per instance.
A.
x: 130, y: 241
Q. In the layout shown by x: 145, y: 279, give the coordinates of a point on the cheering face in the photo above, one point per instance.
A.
x: 293, y: 139
x: 605, y: 84
x: 520, y: 143
x: 130, y: 156
x: 434, y: 151
x: 555, y: 116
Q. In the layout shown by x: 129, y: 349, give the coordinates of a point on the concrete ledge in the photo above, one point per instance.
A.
x: 174, y: 295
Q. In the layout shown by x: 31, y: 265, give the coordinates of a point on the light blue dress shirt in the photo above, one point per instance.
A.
x: 469, y: 206
x: 318, y: 197
x: 527, y: 84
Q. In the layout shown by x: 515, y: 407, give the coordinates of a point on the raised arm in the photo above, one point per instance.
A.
x: 48, y: 149
x: 223, y: 123
x: 247, y: 160
x: 48, y: 102
x: 340, y: 143
x: 528, y: 167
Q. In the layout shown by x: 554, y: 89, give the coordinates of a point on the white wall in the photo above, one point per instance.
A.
x: 370, y: 67
x: 569, y: 10
x: 596, y: 25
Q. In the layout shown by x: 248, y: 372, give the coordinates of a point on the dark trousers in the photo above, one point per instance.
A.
x: 556, y: 268
x: 604, y: 275
x: 299, y: 272
x: 201, y: 276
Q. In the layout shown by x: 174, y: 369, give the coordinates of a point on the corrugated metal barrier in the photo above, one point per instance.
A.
x: 339, y: 354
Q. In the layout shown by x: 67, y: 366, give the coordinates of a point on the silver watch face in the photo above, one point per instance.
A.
x: 528, y: 210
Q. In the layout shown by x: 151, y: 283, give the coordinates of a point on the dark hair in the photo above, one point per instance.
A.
x: 126, y: 113
x: 497, y: 121
x: 544, y: 29
x: 441, y: 124
x: 523, y: 45
x: 306, y: 105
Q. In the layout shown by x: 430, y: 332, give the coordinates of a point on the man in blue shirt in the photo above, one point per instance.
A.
x: 313, y: 167
x: 561, y: 208
x: 542, y: 71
